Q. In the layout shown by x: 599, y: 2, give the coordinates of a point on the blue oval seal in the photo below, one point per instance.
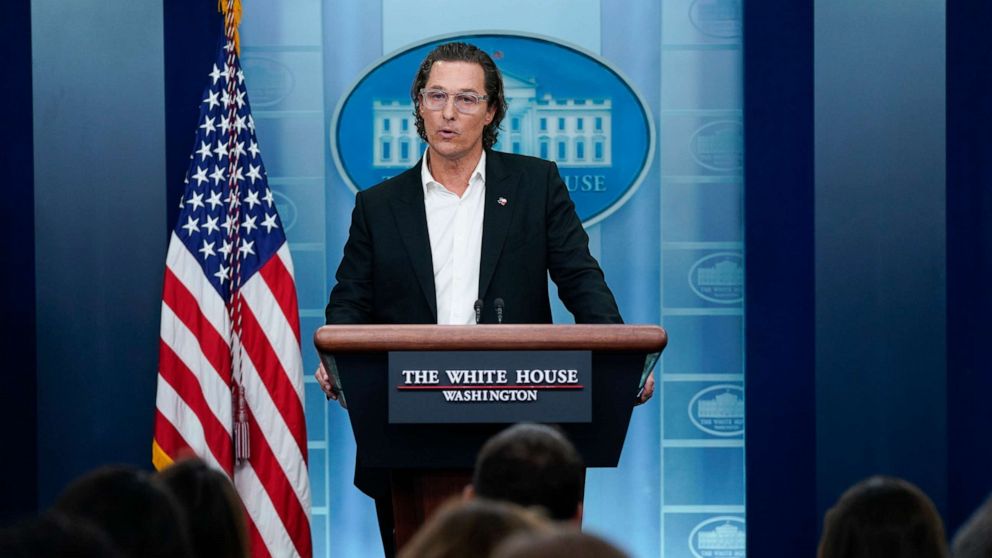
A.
x: 722, y: 536
x: 718, y: 410
x: 564, y: 104
x: 271, y: 80
x: 719, y: 146
x: 718, y: 278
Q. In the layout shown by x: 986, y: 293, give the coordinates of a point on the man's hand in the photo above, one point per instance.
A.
x: 324, y: 379
x: 648, y: 389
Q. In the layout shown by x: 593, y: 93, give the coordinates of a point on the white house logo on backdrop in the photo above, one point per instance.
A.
x: 722, y: 537
x: 717, y: 18
x: 719, y: 146
x: 563, y: 105
x: 573, y: 132
x: 271, y: 80
x: 718, y: 410
x: 718, y: 278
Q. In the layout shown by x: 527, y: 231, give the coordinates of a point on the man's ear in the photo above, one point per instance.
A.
x: 578, y: 515
x: 468, y: 493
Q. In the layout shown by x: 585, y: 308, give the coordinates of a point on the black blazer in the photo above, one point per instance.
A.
x: 386, y: 275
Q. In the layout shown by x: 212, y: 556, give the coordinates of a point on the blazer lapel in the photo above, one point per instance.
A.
x: 411, y: 220
x: 500, y: 186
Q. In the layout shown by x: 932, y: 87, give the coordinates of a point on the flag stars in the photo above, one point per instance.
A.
x: 201, y: 176
x: 223, y: 274
x: 237, y: 174
x: 192, y: 225
x: 253, y: 173
x: 247, y: 248
x: 241, y: 75
x: 239, y: 149
x: 218, y: 175
x: 225, y: 249
x: 215, y: 74
x: 211, y: 225
x: 225, y: 126
x: 214, y: 199
x: 252, y: 199
x: 208, y: 125
x: 228, y: 225
x: 204, y: 151
x: 270, y: 222
x: 239, y: 122
x: 212, y: 99
x: 268, y: 197
x: 221, y: 149
x: 240, y: 98
x: 249, y: 224
x: 253, y: 149
x: 251, y: 123
x: 207, y: 250
x: 196, y: 200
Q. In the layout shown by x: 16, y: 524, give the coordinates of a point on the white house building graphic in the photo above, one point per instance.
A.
x: 572, y: 132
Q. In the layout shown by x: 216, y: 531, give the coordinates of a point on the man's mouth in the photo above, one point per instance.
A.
x: 446, y: 133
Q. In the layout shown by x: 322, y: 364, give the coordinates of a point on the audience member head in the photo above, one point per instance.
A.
x: 974, y: 538
x: 883, y: 517
x: 471, y: 528
x: 54, y: 536
x: 216, y: 515
x: 565, y: 543
x: 532, y: 465
x: 139, y: 514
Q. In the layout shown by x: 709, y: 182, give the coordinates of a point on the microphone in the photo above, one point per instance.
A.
x: 478, y: 311
x: 499, y: 310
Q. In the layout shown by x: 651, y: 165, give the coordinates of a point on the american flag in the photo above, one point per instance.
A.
x: 230, y: 364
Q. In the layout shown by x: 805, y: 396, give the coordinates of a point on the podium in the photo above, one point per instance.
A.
x: 432, y: 460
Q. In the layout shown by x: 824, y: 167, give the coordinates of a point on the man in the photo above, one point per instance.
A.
x: 464, y: 224
x: 531, y: 465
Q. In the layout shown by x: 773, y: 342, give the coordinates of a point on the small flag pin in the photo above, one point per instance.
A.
x: 501, y: 201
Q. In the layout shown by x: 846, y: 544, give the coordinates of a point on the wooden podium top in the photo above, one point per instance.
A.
x: 505, y: 337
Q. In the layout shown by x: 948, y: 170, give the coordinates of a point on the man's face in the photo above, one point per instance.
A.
x: 451, y: 134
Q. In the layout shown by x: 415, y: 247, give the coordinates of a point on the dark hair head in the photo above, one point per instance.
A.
x: 565, y: 543
x: 883, y: 517
x: 54, y: 536
x: 139, y: 514
x: 463, y: 52
x: 471, y: 528
x: 217, y: 521
x: 531, y: 465
x: 974, y: 538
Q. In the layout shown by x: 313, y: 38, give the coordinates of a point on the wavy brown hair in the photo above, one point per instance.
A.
x: 463, y: 52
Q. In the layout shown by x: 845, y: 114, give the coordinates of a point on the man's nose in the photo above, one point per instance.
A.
x: 448, y: 112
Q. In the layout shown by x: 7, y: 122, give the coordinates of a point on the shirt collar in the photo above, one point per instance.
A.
x: 427, y: 179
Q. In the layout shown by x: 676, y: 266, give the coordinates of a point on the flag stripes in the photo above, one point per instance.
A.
x: 228, y: 256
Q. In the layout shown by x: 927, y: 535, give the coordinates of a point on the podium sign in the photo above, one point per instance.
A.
x: 431, y: 387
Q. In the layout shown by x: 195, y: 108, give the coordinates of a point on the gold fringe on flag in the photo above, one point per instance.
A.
x: 224, y: 6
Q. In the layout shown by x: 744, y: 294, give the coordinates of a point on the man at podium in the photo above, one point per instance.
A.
x: 468, y: 234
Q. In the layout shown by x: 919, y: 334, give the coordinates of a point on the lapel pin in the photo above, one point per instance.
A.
x: 501, y: 201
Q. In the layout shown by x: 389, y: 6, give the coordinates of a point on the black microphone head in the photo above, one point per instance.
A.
x: 498, y: 302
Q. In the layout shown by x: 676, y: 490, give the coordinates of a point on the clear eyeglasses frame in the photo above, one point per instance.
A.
x: 465, y: 102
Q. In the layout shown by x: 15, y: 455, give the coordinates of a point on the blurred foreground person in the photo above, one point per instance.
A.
x: 212, y: 506
x: 139, y: 514
x: 974, y: 538
x: 883, y: 517
x: 566, y: 543
x: 532, y: 465
x: 54, y: 536
x: 471, y: 529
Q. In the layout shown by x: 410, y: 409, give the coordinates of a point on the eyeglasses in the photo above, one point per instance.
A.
x: 465, y: 103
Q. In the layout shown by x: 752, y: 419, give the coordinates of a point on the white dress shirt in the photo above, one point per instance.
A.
x: 455, y: 228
